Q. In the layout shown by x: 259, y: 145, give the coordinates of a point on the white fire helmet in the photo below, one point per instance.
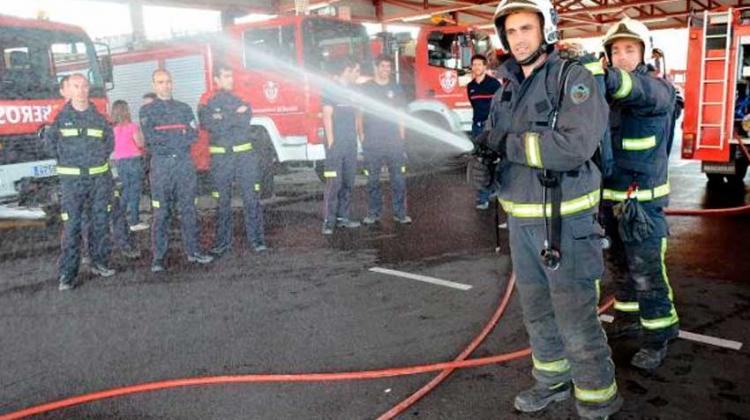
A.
x: 543, y: 7
x: 628, y: 28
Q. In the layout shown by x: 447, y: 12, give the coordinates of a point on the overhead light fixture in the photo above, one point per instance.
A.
x: 414, y: 18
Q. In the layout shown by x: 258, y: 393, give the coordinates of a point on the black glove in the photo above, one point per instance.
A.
x: 492, y: 140
x: 478, y: 173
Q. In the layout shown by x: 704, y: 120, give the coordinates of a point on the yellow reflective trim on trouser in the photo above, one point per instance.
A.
x: 117, y: 193
x: 626, y: 85
x: 533, y: 151
x: 95, y: 132
x: 598, y: 285
x: 366, y: 172
x: 244, y: 147
x: 567, y: 208
x: 215, y: 194
x: 65, y: 170
x: 557, y: 366
x: 329, y: 174
x: 595, y: 68
x: 69, y: 132
x: 640, y: 195
x: 639, y: 144
x: 626, y: 306
x: 96, y: 170
x: 216, y: 150
x: 256, y: 187
x: 64, y: 217
x: 195, y: 201
x: 596, y: 395
x: 403, y: 169
x: 672, y: 318
x: 155, y: 204
x: 109, y: 208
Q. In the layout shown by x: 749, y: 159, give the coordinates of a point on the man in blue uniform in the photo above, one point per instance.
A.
x: 642, y: 108
x: 340, y: 122
x: 383, y: 143
x: 544, y: 126
x: 481, y: 90
x: 233, y: 160
x: 169, y: 128
x: 81, y: 140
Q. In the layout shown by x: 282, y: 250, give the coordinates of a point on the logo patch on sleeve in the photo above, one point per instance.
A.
x: 579, y: 94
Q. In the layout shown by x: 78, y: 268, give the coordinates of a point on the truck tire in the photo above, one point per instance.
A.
x: 267, y: 161
x: 320, y: 168
x: 740, y: 170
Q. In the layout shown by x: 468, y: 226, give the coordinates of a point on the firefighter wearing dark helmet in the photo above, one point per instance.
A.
x: 544, y: 126
x: 641, y: 117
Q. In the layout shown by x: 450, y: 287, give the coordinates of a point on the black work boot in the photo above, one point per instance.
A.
x: 539, y: 396
x: 599, y: 411
x: 654, y: 348
x: 624, y: 326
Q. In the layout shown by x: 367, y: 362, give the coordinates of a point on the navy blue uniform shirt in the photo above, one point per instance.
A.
x: 344, y: 121
x: 480, y: 96
x: 82, y: 139
x: 226, y: 126
x: 382, y: 131
x: 169, y: 127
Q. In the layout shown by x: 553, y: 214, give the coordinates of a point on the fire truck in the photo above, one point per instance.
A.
x: 717, y: 93
x: 434, y: 70
x: 35, y: 55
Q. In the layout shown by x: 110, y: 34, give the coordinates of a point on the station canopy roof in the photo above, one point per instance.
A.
x: 578, y: 18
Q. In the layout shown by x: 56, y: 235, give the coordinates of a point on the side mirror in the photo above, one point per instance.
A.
x: 106, y: 66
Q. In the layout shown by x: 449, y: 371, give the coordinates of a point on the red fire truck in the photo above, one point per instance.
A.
x: 35, y: 54
x: 717, y: 93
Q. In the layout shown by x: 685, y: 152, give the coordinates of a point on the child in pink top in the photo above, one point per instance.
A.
x: 127, y: 162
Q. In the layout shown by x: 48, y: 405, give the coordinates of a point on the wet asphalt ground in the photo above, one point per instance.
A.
x: 313, y: 305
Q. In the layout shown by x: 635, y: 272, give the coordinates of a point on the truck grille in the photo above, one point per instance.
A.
x: 19, y: 149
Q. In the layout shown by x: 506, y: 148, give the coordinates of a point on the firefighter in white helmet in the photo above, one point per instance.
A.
x: 642, y: 108
x: 544, y: 126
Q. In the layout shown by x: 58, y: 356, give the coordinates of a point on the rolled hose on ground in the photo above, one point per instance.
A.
x: 445, y: 368
x: 732, y: 211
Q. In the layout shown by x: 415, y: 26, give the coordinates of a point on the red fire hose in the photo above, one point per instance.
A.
x: 446, y: 368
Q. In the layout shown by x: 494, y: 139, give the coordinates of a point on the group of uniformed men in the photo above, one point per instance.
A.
x: 545, y: 123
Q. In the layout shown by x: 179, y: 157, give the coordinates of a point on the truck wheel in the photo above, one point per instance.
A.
x: 320, y: 168
x: 740, y: 166
x: 267, y: 161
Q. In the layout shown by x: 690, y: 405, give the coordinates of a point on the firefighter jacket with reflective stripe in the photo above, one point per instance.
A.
x: 642, y: 108
x: 523, y: 108
x: 226, y: 126
x: 80, y: 139
x: 169, y: 127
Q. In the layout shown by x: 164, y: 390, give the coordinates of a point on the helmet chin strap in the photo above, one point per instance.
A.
x: 534, y: 56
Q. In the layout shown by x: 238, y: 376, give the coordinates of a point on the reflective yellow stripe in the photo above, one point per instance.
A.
x: 596, y: 395
x: 216, y: 150
x: 640, y: 144
x: 215, y: 194
x: 626, y: 306
x: 626, y: 85
x: 69, y: 132
x: 672, y: 318
x: 558, y: 366
x: 64, y: 217
x: 109, y: 208
x: 329, y: 174
x: 195, y: 201
x: 242, y: 147
x: 640, y: 195
x: 595, y: 68
x: 94, y: 132
x: 117, y: 193
x: 257, y: 187
x: 567, y: 208
x: 533, y: 152
x: 96, y: 170
x: 403, y: 169
x: 65, y: 170
x: 598, y: 285
x: 366, y: 172
x: 155, y: 204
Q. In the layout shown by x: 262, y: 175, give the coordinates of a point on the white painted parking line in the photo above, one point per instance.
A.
x: 426, y: 279
x: 700, y: 338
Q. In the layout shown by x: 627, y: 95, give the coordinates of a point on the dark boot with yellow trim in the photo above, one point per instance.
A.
x: 539, y: 396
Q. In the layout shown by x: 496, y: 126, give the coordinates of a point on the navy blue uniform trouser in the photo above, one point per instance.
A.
x: 243, y: 169
x: 173, y: 183
x: 395, y: 159
x: 121, y: 234
x: 643, y: 290
x: 483, y: 194
x: 560, y: 307
x: 81, y: 194
x: 130, y: 173
x: 340, y: 172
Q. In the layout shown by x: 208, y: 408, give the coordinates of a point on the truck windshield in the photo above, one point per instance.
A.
x: 34, y: 60
x: 454, y: 50
x: 328, y: 41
